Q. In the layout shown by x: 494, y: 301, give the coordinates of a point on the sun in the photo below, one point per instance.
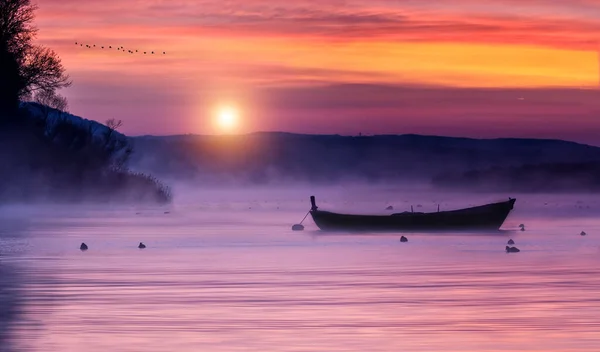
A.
x: 227, y: 119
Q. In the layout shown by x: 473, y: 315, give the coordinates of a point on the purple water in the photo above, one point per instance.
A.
x: 226, y: 273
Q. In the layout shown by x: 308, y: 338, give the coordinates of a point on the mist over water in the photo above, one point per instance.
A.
x: 223, y: 271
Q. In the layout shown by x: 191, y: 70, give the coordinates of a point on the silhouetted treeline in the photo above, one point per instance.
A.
x: 261, y: 158
x: 59, y: 159
x: 549, y: 177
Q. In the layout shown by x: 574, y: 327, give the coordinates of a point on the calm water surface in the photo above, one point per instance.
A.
x: 231, y: 276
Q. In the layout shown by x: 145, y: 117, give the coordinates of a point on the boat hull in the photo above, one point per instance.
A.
x: 486, y: 217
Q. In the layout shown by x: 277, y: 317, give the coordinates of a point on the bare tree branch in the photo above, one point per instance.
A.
x: 51, y: 100
x: 43, y: 71
x: 113, y: 124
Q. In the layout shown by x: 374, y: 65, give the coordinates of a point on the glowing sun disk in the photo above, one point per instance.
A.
x: 227, y: 119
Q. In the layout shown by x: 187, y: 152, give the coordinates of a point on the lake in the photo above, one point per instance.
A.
x: 223, y: 271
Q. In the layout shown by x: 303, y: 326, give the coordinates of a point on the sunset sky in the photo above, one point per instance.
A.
x: 498, y: 68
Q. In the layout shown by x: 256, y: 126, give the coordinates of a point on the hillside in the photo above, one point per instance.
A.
x: 41, y: 112
x: 52, y: 156
x: 283, y: 157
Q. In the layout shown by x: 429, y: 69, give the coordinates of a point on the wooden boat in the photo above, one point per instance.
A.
x: 485, y: 217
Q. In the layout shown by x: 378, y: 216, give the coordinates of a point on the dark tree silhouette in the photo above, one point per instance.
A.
x: 119, y: 150
x: 48, y: 102
x: 51, y: 100
x: 25, y: 68
x: 112, y: 125
x: 43, y: 71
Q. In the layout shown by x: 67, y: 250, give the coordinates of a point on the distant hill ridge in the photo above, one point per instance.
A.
x: 408, y: 136
x: 521, y: 164
x: 277, y: 156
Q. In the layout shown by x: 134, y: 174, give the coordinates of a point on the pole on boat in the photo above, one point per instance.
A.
x: 438, y: 208
x: 411, y: 209
x: 300, y: 227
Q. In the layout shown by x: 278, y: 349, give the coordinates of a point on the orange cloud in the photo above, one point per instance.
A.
x: 571, y: 25
x: 461, y: 43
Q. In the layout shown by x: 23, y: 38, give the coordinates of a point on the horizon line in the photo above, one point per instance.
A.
x: 358, y: 135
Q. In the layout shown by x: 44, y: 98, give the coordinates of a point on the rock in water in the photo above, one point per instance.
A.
x: 511, y: 241
x: 512, y: 249
x: 583, y: 233
x: 297, y: 227
x: 403, y: 239
x: 389, y: 208
x: 83, y: 247
x: 141, y: 246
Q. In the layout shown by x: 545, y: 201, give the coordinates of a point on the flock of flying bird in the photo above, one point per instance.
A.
x: 119, y: 48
